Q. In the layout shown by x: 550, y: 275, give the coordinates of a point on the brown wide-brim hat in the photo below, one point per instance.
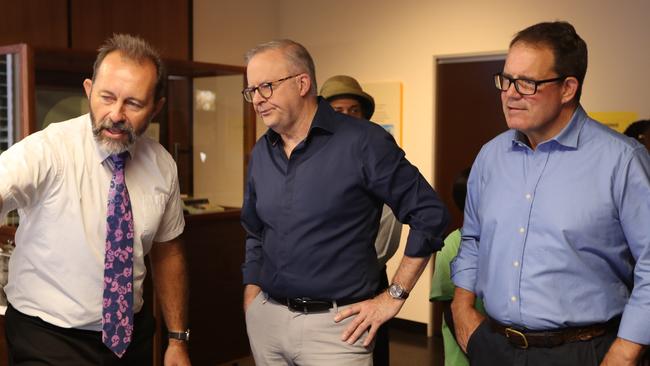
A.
x: 343, y: 86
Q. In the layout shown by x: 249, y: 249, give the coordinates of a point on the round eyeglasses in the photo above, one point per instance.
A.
x: 265, y: 89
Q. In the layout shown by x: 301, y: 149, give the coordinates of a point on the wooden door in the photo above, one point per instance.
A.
x: 468, y: 115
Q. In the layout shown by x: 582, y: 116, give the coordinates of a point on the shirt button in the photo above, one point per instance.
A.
x: 528, y: 196
x: 515, y: 263
x: 513, y: 299
x: 521, y: 230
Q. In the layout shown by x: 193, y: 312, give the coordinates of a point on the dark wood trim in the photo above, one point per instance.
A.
x: 250, y: 131
x: 8, y: 230
x: 190, y: 31
x: 28, y: 76
x: 26, y: 97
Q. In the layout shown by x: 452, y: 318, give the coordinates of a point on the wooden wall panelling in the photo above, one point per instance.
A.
x: 165, y: 24
x: 42, y: 23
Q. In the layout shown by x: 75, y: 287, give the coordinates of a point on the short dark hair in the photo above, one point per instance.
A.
x: 638, y: 129
x: 569, y: 50
x: 459, y: 189
x: 136, y: 49
x: 295, y: 53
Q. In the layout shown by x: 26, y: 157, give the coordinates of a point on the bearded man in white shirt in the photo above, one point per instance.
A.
x: 76, y: 275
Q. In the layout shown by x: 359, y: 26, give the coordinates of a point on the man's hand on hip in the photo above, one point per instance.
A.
x: 466, y: 317
x: 370, y: 314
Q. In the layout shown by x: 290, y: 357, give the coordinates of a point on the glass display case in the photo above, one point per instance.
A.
x: 207, y: 126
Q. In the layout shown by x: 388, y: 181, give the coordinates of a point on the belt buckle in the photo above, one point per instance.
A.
x: 510, y: 332
x: 298, y: 304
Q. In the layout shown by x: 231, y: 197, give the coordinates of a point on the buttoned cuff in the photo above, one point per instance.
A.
x: 422, y: 244
x: 635, y: 325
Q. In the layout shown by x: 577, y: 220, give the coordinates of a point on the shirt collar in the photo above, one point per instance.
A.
x: 324, y: 120
x: 568, y: 137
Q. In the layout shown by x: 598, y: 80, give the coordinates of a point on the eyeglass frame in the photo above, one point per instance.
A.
x: 513, y: 81
x: 251, y: 91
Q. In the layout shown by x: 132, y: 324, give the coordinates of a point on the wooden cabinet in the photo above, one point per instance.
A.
x: 215, y: 252
x: 85, y: 24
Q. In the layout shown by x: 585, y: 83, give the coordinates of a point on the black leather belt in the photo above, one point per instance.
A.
x: 309, y: 305
x: 552, y: 338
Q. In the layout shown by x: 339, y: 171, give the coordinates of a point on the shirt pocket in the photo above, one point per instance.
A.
x: 148, y: 211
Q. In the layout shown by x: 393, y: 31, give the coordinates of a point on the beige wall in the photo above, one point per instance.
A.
x: 386, y: 40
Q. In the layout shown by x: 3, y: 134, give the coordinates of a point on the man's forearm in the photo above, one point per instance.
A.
x: 409, y: 270
x: 623, y: 352
x: 463, y: 299
x: 171, y: 282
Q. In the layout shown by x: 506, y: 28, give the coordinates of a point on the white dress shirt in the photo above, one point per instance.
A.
x: 58, y: 179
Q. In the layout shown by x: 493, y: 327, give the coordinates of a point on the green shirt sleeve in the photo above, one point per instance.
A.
x: 442, y: 288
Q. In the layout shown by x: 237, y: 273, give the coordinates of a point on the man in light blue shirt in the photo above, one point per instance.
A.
x: 556, y: 235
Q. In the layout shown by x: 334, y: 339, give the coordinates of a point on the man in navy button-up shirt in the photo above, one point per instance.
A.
x: 556, y: 235
x: 316, y: 185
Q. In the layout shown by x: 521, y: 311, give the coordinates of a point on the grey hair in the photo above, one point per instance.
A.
x: 295, y: 53
x: 136, y: 49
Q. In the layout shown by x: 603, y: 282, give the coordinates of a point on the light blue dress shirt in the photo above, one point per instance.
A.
x: 560, y: 236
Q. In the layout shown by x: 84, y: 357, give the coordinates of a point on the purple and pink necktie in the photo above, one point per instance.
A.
x: 117, y: 313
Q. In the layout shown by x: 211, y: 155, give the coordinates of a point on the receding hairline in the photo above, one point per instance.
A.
x: 286, y: 58
x: 142, y: 62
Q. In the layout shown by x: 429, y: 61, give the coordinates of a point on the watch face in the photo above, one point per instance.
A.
x: 395, y: 291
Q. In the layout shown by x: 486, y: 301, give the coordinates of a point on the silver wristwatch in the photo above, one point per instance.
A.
x: 396, y: 291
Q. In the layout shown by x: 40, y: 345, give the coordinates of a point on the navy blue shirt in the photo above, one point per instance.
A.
x: 312, y: 219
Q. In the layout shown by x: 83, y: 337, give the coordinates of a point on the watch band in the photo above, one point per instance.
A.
x: 181, y: 336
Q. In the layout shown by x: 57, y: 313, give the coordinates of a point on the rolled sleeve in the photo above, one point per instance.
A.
x: 422, y: 243
x: 464, y: 268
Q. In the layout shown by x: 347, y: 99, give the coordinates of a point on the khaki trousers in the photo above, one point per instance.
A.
x: 280, y: 336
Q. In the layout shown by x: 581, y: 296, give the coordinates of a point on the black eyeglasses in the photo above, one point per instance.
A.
x: 523, y: 86
x: 265, y: 89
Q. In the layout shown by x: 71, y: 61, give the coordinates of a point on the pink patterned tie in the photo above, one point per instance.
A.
x: 117, y: 314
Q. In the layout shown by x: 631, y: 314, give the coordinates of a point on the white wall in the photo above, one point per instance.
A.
x: 384, y: 40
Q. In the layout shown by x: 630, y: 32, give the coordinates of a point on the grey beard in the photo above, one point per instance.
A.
x: 109, y: 145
